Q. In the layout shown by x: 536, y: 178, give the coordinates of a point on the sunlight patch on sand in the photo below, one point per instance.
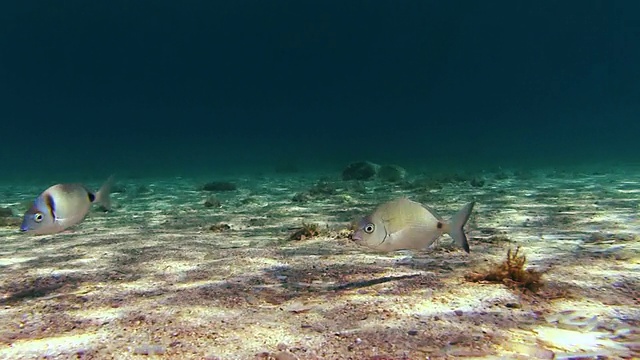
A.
x: 15, y: 260
x: 576, y: 341
x: 51, y: 347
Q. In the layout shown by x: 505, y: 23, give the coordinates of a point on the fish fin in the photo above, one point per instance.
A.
x: 456, y: 225
x: 102, y: 196
x: 433, y: 212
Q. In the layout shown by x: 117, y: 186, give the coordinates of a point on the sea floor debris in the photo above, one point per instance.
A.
x: 511, y: 272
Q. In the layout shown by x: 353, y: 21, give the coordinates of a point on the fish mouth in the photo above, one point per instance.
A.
x: 24, y: 228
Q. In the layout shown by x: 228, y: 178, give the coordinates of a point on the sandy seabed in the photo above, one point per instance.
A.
x: 163, y: 276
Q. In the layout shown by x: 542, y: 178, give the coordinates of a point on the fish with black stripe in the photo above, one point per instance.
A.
x: 62, y: 206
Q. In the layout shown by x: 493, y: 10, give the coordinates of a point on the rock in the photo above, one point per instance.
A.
x: 362, y: 170
x: 212, y: 202
x: 220, y: 227
x: 219, y: 186
x: 391, y: 173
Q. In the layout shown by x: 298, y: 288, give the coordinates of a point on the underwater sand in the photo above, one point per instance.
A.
x: 151, y: 279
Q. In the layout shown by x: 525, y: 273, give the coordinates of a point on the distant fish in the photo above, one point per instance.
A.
x: 403, y: 224
x: 62, y: 206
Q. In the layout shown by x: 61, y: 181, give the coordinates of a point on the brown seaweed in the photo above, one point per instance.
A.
x: 306, y: 231
x: 510, y: 272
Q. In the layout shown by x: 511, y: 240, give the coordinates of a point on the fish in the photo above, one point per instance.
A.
x: 403, y: 224
x: 62, y: 206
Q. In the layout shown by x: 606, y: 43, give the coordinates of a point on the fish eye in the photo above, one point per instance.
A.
x: 369, y: 228
x: 37, y: 217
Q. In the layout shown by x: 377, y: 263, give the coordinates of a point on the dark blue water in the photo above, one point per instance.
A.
x: 168, y: 87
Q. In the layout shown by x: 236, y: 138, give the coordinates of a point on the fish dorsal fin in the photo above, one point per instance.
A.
x: 433, y: 212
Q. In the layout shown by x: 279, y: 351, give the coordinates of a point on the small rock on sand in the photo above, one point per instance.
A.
x: 362, y: 170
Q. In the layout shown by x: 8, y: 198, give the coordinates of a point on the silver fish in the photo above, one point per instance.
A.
x: 62, y: 206
x: 403, y: 224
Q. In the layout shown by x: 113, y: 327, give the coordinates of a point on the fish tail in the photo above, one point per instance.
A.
x: 457, y: 223
x: 102, y: 196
